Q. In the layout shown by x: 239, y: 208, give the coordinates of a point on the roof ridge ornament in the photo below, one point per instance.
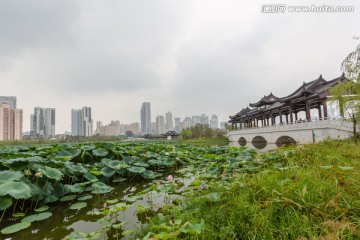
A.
x: 320, y: 77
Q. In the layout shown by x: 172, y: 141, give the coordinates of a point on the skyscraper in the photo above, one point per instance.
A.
x: 11, y: 123
x: 169, y: 125
x: 42, y: 123
x: 11, y: 101
x: 214, y: 122
x: 81, y: 122
x: 177, y: 124
x: 204, y: 119
x: 145, y: 114
x: 160, y: 125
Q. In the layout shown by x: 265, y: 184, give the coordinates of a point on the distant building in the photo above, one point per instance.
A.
x: 145, y: 117
x: 134, y: 128
x: 112, y: 129
x: 81, y: 122
x: 214, y: 122
x: 42, y: 123
x: 204, y: 119
x: 11, y: 123
x: 177, y: 124
x: 11, y: 101
x: 153, y: 127
x: 169, y: 125
x: 194, y: 120
x: 160, y: 125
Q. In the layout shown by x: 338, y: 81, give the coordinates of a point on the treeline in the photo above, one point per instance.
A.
x: 201, y: 131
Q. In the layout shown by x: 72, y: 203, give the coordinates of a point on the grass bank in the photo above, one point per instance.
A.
x: 313, y: 193
x: 223, y: 141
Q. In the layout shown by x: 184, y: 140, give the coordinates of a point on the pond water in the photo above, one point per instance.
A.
x: 65, y: 221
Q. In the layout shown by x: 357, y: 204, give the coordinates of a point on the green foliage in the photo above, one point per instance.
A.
x: 201, y: 131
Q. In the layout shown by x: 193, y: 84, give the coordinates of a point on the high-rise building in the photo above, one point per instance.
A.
x: 204, y: 119
x: 42, y: 123
x: 145, y: 114
x: 214, y: 122
x: 11, y: 123
x: 177, y: 124
x: 160, y: 125
x: 195, y: 120
x: 81, y: 122
x: 169, y: 125
x: 11, y: 101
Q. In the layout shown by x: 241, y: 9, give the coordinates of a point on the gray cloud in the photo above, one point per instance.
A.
x: 189, y: 57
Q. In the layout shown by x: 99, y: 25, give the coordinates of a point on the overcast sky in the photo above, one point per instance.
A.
x: 185, y: 56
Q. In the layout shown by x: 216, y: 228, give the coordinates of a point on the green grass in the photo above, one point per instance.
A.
x: 207, y: 141
x: 316, y: 196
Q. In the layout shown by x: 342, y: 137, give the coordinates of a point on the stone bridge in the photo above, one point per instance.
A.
x: 301, y: 132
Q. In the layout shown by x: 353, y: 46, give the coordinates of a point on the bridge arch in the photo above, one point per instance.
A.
x: 259, y: 142
x: 242, y: 141
x: 285, y: 141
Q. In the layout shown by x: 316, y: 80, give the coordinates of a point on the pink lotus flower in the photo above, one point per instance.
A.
x: 170, y: 177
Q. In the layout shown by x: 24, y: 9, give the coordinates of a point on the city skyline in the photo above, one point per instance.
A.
x: 188, y: 56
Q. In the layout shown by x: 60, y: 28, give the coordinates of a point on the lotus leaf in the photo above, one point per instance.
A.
x: 76, y: 168
x: 37, y: 217
x: 119, y: 225
x: 107, y: 172
x: 18, y: 190
x: 100, y: 152
x: 15, y: 228
x: 148, y: 174
x: 86, y: 197
x: 10, y: 175
x: 68, y: 198
x: 119, y: 179
x: 50, y: 199
x: 100, y: 188
x: 41, y: 209
x: 90, y: 177
x: 87, y: 147
x: 78, y: 206
x: 5, y: 203
x: 18, y: 215
x: 194, y: 228
x: 75, y: 188
x: 52, y: 173
x: 136, y: 169
x: 141, y: 164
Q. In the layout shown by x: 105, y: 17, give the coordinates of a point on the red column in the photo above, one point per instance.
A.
x: 325, y: 109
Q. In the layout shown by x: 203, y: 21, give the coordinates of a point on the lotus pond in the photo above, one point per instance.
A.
x: 108, y: 190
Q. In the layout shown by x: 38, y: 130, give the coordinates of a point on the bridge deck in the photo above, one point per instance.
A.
x: 301, y: 132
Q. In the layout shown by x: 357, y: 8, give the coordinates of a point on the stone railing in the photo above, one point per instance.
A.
x: 301, y: 124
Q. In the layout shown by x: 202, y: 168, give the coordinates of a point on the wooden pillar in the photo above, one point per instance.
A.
x: 272, y: 118
x: 307, y: 110
x: 280, y: 116
x: 296, y: 117
x: 319, y: 110
x: 267, y: 121
x: 325, y: 109
x: 287, y: 119
x: 291, y: 113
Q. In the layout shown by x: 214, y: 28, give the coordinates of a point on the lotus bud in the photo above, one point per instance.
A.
x: 39, y: 174
x: 105, y: 205
x: 27, y: 172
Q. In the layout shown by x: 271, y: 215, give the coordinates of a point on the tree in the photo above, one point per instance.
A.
x: 129, y: 133
x: 348, y: 94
